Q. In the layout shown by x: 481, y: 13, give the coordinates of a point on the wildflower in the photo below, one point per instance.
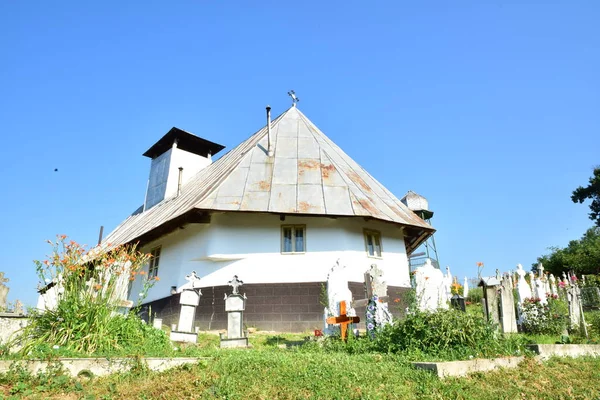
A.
x: 56, y: 347
x: 479, y: 264
x: 97, y: 287
x: 370, y: 326
x: 62, y: 237
x: 470, y: 357
x: 156, y: 278
x: 142, y: 272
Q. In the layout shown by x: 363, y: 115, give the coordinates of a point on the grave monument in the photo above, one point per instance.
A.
x: 235, y: 304
x: 189, y: 300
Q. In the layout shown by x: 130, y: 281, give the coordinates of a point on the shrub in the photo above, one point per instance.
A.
x: 88, y: 286
x: 545, y: 319
x: 475, y: 295
x: 442, y: 333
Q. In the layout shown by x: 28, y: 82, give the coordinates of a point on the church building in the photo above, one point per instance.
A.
x: 278, y: 211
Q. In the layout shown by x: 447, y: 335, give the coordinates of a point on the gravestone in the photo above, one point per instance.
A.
x: 448, y: 284
x: 552, y: 282
x: 574, y: 299
x: 18, y: 308
x: 507, y: 306
x: 523, y: 288
x: 235, y: 304
x: 337, y: 291
x: 376, y: 300
x: 491, y: 298
x: 540, y: 285
x: 337, y: 288
x: 430, y: 291
x: 3, y: 292
x: 533, y: 285
x: 189, y: 300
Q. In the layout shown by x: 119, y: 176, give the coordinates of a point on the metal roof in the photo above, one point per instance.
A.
x: 308, y: 174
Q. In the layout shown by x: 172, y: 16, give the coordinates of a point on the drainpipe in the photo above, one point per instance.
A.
x: 179, y: 181
x: 269, y: 150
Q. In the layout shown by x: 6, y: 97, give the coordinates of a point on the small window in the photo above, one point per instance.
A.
x: 154, y: 260
x: 293, y: 239
x: 373, y: 243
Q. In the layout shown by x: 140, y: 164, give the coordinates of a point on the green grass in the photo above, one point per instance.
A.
x: 291, y: 374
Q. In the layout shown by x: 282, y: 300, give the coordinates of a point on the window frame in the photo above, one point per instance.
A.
x: 294, y: 227
x: 373, y: 233
x: 154, y: 262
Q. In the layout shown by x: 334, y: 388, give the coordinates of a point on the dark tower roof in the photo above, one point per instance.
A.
x: 185, y: 141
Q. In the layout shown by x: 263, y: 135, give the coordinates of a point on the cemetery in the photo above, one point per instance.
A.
x: 513, y: 321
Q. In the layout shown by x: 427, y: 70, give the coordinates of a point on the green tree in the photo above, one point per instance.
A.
x: 591, y: 191
x: 581, y: 256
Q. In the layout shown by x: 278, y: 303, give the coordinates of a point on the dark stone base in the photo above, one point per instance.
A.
x: 280, y: 307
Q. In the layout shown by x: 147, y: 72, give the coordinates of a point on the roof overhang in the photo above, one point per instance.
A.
x: 414, y: 236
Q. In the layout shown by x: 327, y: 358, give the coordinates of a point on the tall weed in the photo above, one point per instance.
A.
x: 89, y: 288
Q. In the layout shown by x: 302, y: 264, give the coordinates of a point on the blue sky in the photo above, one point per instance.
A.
x: 488, y: 109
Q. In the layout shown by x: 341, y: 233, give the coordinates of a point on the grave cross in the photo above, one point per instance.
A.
x: 372, y: 287
x: 235, y: 283
x: 343, y: 320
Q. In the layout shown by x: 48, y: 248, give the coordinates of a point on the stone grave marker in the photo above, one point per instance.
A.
x: 507, y: 306
x: 552, y: 283
x: 3, y: 292
x: 376, y: 300
x: 523, y: 288
x: 574, y: 299
x: 189, y: 300
x: 491, y: 298
x: 430, y: 291
x: 235, y: 304
x: 18, y: 308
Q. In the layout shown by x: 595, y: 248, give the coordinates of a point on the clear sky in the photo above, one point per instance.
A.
x: 488, y: 109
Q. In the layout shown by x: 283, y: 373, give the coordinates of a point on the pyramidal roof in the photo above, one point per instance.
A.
x: 307, y: 174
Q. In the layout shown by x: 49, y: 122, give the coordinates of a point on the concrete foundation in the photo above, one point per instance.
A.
x: 234, y: 342
x: 187, y: 337
x: 99, y: 366
x: 462, y: 368
x: 546, y: 351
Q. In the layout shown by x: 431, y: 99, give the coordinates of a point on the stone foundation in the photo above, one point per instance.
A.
x: 281, y: 307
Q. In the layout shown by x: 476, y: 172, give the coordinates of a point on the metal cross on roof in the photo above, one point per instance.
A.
x: 295, y: 99
x: 235, y: 283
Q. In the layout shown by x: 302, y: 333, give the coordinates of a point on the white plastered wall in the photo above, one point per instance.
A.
x: 249, y: 245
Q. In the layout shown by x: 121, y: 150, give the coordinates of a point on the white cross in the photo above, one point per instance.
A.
x: 235, y: 283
